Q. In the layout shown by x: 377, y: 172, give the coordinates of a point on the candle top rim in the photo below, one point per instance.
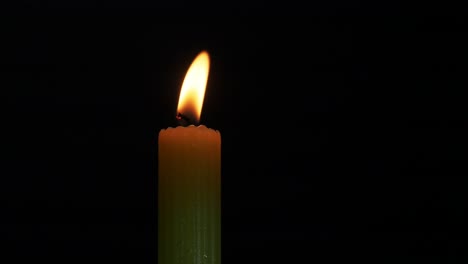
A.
x: 198, y: 127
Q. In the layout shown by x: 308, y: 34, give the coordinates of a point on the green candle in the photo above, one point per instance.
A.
x: 189, y: 190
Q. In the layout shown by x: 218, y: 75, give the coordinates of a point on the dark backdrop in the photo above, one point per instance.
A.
x: 344, y: 128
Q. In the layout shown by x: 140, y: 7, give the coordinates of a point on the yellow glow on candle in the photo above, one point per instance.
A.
x: 193, y: 88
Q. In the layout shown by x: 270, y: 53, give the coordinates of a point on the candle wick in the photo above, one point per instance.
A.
x: 182, y: 119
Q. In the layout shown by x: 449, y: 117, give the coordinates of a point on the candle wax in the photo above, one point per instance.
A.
x: 189, y: 190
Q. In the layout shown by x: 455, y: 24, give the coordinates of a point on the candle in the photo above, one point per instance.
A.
x: 189, y: 186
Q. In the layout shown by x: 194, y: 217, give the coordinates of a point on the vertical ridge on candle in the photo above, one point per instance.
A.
x: 189, y: 207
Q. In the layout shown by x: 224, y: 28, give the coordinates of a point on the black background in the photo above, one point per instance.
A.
x: 344, y: 128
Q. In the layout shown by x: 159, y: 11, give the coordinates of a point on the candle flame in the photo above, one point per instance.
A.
x: 193, y: 89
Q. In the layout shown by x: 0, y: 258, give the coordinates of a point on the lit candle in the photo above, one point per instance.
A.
x: 189, y: 190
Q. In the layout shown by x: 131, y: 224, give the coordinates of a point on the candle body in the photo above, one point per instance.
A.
x: 189, y: 196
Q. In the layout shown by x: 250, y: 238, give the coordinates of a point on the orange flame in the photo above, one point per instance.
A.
x: 193, y: 88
